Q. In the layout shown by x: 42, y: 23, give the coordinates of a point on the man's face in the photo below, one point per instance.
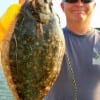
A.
x: 78, y: 11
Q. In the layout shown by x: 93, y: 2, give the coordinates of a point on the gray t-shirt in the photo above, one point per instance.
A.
x: 83, y: 77
x: 5, y: 92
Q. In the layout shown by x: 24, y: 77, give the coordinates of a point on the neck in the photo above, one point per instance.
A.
x: 79, y: 28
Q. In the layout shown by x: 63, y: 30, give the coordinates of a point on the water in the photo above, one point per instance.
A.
x: 5, y: 92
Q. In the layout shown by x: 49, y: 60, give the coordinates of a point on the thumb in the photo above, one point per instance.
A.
x: 22, y: 1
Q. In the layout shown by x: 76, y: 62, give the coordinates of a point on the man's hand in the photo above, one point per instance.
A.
x: 22, y: 1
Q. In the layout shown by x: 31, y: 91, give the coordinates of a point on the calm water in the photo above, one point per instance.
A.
x: 5, y: 93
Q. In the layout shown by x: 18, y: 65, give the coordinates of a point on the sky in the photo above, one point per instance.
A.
x: 4, y: 4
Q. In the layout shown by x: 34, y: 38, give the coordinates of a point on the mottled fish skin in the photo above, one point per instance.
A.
x: 33, y: 53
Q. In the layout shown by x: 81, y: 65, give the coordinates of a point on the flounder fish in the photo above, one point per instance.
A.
x: 33, y: 50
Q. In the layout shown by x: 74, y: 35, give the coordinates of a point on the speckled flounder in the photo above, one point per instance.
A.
x: 32, y: 52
